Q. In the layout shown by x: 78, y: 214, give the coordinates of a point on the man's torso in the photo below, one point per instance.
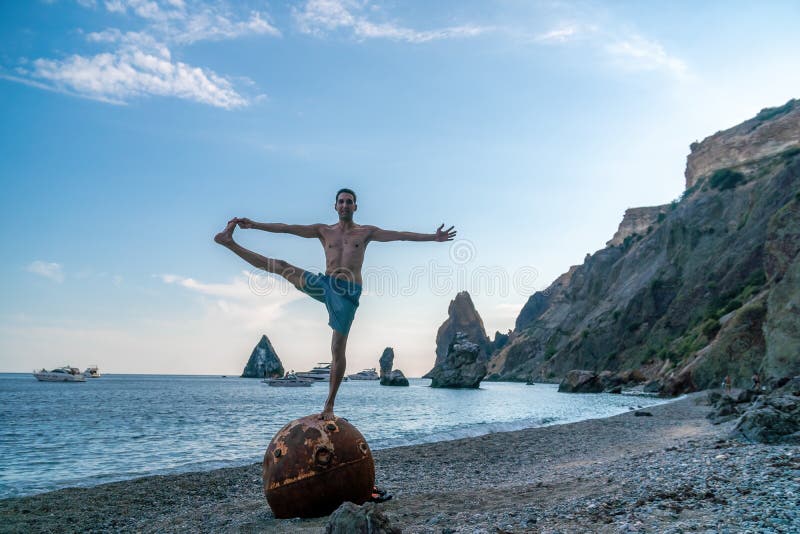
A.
x: 344, y: 250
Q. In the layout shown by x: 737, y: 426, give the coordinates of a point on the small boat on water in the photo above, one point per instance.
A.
x: 366, y: 374
x: 61, y: 374
x: 291, y: 380
x: 92, y: 372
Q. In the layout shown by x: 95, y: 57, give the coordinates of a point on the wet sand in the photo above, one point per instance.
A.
x: 672, y: 471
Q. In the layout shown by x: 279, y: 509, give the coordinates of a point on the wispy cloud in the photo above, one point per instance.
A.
x: 116, y: 77
x: 559, y: 34
x: 139, y: 63
x: 50, y: 270
x: 250, y: 299
x: 319, y: 17
x: 177, y: 22
x: 639, y: 53
x: 626, y: 50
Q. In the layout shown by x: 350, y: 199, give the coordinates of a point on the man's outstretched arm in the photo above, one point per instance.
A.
x: 381, y: 235
x: 302, y: 230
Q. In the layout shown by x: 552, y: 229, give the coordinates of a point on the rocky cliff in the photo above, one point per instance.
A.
x: 263, y: 362
x: 772, y: 131
x: 709, y: 287
x: 464, y: 365
x: 461, y: 317
x: 636, y: 221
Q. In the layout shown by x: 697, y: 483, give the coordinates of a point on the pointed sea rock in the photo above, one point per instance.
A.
x: 461, y: 317
x: 263, y: 362
x: 389, y: 377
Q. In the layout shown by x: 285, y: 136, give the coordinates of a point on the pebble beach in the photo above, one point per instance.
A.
x: 671, y: 471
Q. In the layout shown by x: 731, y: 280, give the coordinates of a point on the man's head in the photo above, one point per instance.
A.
x: 345, y: 203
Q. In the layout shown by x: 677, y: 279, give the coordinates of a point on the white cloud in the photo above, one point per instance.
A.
x: 560, y: 34
x: 318, y: 17
x: 50, y: 270
x: 139, y: 63
x: 130, y: 72
x: 626, y: 50
x: 174, y: 22
x: 251, y: 299
x: 211, y: 25
x: 238, y: 289
x: 147, y: 9
x: 638, y: 53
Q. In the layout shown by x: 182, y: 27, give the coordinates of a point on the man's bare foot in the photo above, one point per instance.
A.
x: 327, y: 414
x: 225, y: 237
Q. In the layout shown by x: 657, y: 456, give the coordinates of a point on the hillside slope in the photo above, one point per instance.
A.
x: 690, y: 291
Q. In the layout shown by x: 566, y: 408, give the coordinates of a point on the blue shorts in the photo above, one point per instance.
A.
x: 340, y: 298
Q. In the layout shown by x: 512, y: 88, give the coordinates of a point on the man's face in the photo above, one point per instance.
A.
x: 345, y: 206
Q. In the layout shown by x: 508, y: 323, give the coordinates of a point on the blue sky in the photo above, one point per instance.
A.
x: 133, y: 129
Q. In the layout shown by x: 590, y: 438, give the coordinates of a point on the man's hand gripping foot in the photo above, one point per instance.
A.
x: 225, y: 237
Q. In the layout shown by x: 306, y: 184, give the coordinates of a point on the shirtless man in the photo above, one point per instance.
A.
x: 340, y: 287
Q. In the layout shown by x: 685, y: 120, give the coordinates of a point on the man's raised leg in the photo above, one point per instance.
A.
x: 287, y: 270
x: 338, y: 364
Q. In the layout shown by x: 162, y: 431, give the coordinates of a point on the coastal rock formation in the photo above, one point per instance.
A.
x: 386, y: 361
x: 263, y: 362
x: 500, y: 340
x: 773, y: 418
x: 580, y: 381
x: 461, y: 317
x: 464, y: 365
x: 388, y: 376
x: 583, y: 381
x: 772, y: 131
x: 688, y: 292
x: 728, y: 407
x: 350, y: 518
x: 637, y: 221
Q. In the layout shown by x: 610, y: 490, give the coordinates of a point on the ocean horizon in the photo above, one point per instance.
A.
x: 119, y: 427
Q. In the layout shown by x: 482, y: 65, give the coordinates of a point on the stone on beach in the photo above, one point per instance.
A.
x: 350, y: 518
x: 773, y: 418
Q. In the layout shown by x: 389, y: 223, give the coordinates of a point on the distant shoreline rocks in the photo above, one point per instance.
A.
x: 388, y: 376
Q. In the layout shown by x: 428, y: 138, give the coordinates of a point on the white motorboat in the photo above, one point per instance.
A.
x: 321, y: 373
x: 366, y: 374
x: 61, y: 374
x: 289, y: 381
x: 92, y: 372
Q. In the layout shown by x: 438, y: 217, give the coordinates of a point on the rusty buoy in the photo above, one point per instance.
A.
x: 312, y: 466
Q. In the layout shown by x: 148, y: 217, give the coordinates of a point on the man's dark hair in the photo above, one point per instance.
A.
x: 345, y: 190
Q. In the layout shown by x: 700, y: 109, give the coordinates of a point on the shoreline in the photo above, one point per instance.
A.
x: 124, y: 463
x: 617, y: 473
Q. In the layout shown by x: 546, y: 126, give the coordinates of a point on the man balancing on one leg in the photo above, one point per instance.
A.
x: 340, y: 287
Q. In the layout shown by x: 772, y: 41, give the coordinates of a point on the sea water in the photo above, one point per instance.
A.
x: 55, y: 435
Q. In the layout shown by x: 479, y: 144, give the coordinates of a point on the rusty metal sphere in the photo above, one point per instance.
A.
x: 312, y: 466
